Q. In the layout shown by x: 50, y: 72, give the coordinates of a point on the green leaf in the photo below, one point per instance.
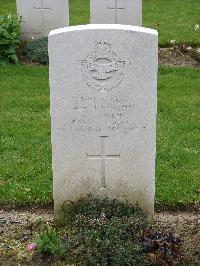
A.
x: 4, y: 61
x: 4, y: 41
x: 14, y: 59
x: 9, y: 38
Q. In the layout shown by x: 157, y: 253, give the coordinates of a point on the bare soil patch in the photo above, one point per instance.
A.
x: 187, y: 226
x: 18, y: 229
x: 174, y: 57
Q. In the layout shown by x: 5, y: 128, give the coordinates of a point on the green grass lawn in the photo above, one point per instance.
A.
x: 174, y: 19
x: 7, y: 6
x: 178, y: 138
x: 25, y: 121
x: 25, y: 136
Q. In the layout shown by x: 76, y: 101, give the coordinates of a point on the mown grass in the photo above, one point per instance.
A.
x: 7, y: 6
x: 25, y: 135
x: 174, y: 19
x: 25, y: 147
x: 178, y: 138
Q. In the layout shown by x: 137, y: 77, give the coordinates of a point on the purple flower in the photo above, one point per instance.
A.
x: 31, y: 247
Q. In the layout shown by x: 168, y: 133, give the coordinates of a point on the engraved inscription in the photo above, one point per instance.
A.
x: 103, y: 157
x: 42, y: 8
x: 103, y: 70
x: 117, y: 8
x: 113, y: 114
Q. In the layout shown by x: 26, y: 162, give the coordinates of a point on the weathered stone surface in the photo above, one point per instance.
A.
x: 126, y: 12
x: 41, y: 16
x: 103, y: 107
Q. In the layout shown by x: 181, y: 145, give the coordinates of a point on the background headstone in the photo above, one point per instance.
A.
x: 41, y: 16
x: 103, y: 83
x: 126, y: 12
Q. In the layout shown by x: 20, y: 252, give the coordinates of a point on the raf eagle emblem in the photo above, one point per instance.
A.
x: 103, y: 70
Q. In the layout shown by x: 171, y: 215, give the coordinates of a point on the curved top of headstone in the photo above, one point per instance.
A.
x: 104, y: 27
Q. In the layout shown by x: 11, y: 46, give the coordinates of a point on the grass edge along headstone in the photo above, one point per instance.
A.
x: 126, y: 12
x: 39, y: 17
x: 103, y: 83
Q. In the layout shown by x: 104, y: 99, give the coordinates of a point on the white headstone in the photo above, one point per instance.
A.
x: 126, y: 12
x: 39, y: 17
x: 103, y: 81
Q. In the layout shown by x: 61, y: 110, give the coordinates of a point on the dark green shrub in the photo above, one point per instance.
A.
x: 106, y: 232
x: 9, y: 38
x: 37, y: 51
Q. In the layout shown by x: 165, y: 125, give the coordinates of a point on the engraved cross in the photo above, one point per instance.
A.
x: 42, y: 8
x: 116, y: 8
x: 103, y: 157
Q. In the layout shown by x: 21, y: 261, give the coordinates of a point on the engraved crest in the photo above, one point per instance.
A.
x: 103, y: 70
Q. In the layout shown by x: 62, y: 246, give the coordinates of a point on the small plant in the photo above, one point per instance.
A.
x: 173, y: 42
x: 50, y: 243
x: 37, y: 51
x: 9, y: 38
x: 196, y: 27
x: 195, y: 53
